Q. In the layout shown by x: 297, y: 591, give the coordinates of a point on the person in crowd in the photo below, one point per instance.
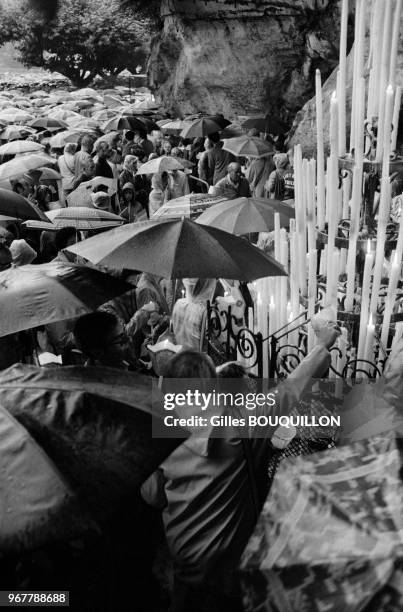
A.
x: 103, y: 341
x: 83, y: 156
x: 189, y: 316
x: 158, y: 194
x: 6, y: 237
x: 178, y: 184
x: 63, y: 238
x: 215, y: 163
x: 233, y: 185
x: 128, y: 142
x: 42, y: 197
x: 131, y: 210
x: 149, y: 289
x: 151, y: 323
x: 289, y: 177
x: 67, y: 167
x: 88, y: 172
x: 21, y: 253
x: 275, y: 186
x: 102, y: 168
x: 113, y: 161
x: 166, y: 147
x: 128, y: 174
x: 142, y: 142
x: 101, y: 200
x: 218, y: 482
x: 258, y: 173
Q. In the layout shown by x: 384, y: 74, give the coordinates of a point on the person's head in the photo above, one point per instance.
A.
x: 214, y: 138
x: 102, y: 337
x: 19, y: 188
x: 5, y: 257
x: 208, y: 144
x: 191, y: 364
x: 128, y: 192
x: 112, y: 156
x: 139, y: 153
x: 159, y: 181
x: 43, y: 195
x: 231, y: 369
x: 6, y: 237
x: 22, y: 253
x: 130, y: 163
x: 234, y: 172
x: 281, y: 161
x: 129, y: 136
x: 101, y: 200
x: 87, y: 144
x: 167, y: 147
x: 139, y: 135
x: 102, y: 149
x: 154, y: 312
x: 199, y: 289
x: 64, y: 237
x: 176, y: 152
x: 70, y: 148
x: 89, y: 167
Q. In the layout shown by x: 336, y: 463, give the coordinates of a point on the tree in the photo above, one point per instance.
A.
x: 82, y: 39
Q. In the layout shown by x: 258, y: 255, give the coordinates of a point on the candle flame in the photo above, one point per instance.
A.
x: 272, y: 300
x: 395, y: 260
x: 334, y: 95
x: 389, y: 89
x: 368, y: 246
x: 370, y: 323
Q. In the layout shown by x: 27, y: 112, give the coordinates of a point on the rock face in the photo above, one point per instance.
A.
x: 242, y: 57
x: 304, y: 127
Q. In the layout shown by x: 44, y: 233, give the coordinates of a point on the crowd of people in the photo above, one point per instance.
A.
x: 204, y: 492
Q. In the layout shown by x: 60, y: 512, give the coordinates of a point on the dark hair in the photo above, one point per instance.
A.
x: 214, y: 137
x: 5, y: 253
x: 232, y: 369
x: 18, y: 186
x: 142, y: 133
x: 91, y: 330
x: 191, y: 364
x: 87, y: 141
x: 62, y: 236
x: 6, y: 237
x: 138, y: 153
x: 129, y: 135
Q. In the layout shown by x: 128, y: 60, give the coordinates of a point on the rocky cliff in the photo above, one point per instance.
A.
x: 242, y: 57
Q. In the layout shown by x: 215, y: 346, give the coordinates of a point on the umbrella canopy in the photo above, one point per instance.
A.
x: 16, y: 205
x: 161, y: 164
x: 174, y: 127
x: 247, y: 215
x: 15, y: 116
x: 59, y: 140
x: 63, y: 114
x: 46, y: 123
x: 179, y: 249
x: 104, y: 115
x: 36, y: 295
x: 23, y: 163
x: 83, y: 218
x: 200, y: 128
x: 123, y: 123
x: 74, y: 442
x: 248, y: 146
x: 14, y: 132
x: 190, y: 206
x: 264, y: 124
x: 20, y: 146
x: 329, y: 533
x: 49, y: 174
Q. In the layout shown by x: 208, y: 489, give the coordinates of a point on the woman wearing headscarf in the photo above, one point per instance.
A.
x: 67, y: 167
x: 131, y: 210
x: 189, y: 316
x: 158, y: 195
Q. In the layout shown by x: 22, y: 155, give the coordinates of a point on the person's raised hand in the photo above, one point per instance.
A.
x: 327, y: 334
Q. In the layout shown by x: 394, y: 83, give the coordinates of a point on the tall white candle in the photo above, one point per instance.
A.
x: 394, y: 277
x: 379, y: 14
x: 342, y: 79
x: 366, y: 288
x: 395, y: 42
x: 320, y: 157
x: 395, y: 121
x: 384, y: 74
x: 312, y: 290
x: 369, y: 342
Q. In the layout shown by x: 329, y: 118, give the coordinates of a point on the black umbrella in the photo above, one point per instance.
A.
x: 16, y: 205
x: 74, y: 442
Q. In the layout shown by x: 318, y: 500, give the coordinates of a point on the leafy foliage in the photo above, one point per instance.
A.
x: 83, y: 39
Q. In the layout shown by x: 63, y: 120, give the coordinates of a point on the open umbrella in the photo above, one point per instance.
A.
x: 48, y: 174
x: 200, y: 128
x: 16, y: 147
x: 174, y: 127
x: 59, y: 140
x: 46, y: 123
x: 267, y: 124
x: 15, y: 116
x: 16, y: 205
x: 248, y: 146
x: 83, y: 218
x: 14, y: 132
x: 247, y: 215
x: 191, y: 206
x: 36, y: 295
x: 161, y: 164
x: 329, y: 533
x: 74, y: 443
x: 179, y: 249
x: 123, y: 123
x: 21, y: 164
